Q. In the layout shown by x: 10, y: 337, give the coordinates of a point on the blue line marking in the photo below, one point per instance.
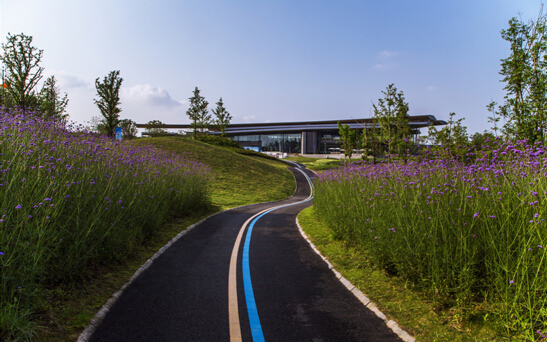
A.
x: 254, y: 320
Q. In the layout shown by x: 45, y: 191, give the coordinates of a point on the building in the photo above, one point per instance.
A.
x: 305, y: 137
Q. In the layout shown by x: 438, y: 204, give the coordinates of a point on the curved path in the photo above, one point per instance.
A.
x: 283, y: 290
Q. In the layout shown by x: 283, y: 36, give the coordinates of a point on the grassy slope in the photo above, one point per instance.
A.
x: 316, y: 164
x: 395, y: 298
x: 239, y: 180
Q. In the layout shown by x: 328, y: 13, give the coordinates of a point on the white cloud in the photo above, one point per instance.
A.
x: 431, y: 88
x: 145, y: 94
x: 249, y: 118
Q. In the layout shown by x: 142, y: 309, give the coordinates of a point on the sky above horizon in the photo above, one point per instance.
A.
x: 273, y: 61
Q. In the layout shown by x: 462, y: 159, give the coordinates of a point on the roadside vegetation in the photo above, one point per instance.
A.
x: 466, y: 233
x: 397, y: 298
x: 83, y: 211
x: 71, y: 201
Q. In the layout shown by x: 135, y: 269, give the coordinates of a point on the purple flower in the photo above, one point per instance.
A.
x: 47, y: 199
x: 1, y: 253
x: 18, y: 207
x: 511, y: 282
x: 476, y: 214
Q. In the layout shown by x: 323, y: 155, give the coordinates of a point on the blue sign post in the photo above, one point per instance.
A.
x: 118, y: 133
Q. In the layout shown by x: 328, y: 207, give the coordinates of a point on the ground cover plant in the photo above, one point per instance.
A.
x: 467, y: 227
x: 71, y: 200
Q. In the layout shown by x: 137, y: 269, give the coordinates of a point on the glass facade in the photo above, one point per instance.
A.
x: 271, y: 142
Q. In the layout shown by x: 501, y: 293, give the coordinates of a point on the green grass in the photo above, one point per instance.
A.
x: 239, y: 180
x: 317, y: 164
x: 395, y: 297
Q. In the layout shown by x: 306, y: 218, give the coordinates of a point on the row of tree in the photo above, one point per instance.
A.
x: 21, y: 73
x: 389, y: 134
x: 200, y: 117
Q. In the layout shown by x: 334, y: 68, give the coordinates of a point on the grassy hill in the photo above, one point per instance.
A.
x: 239, y: 179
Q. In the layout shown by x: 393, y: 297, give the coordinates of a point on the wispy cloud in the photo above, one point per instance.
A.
x: 68, y: 81
x: 431, y: 88
x: 386, y: 60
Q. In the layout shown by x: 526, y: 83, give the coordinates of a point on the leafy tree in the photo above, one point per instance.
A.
x: 109, y: 100
x: 23, y: 70
x: 223, y: 118
x: 96, y: 125
x: 479, y: 139
x: 525, y: 74
x: 370, y: 142
x: 51, y: 105
x: 153, y: 127
x: 197, y: 112
x: 453, y: 134
x: 492, y: 109
x: 129, y: 128
x: 349, y: 139
x: 391, y: 114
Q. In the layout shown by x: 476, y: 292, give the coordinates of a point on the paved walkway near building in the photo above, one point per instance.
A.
x: 274, y: 282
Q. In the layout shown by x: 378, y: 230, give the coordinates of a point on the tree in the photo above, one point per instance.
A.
x: 198, y: 112
x: 391, y: 114
x: 453, y: 134
x: 525, y: 74
x: 223, y: 118
x: 129, y: 128
x: 370, y: 142
x: 23, y: 70
x: 109, y: 100
x: 349, y: 139
x: 153, y: 127
x: 51, y: 105
x: 492, y: 109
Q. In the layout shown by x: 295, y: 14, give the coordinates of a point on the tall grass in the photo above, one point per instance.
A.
x: 71, y: 199
x: 467, y: 229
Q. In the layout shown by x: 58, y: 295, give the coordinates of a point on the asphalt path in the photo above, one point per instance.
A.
x: 184, y: 296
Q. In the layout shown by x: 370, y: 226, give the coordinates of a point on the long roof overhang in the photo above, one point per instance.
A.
x: 416, y: 121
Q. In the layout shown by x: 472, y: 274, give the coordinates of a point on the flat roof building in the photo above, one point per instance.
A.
x: 304, y: 137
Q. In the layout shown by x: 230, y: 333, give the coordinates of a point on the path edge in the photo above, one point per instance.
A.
x: 406, y: 337
x: 100, y: 315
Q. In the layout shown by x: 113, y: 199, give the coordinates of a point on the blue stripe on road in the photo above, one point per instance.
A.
x: 254, y: 321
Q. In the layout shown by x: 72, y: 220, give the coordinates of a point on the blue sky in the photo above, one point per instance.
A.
x: 273, y: 61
